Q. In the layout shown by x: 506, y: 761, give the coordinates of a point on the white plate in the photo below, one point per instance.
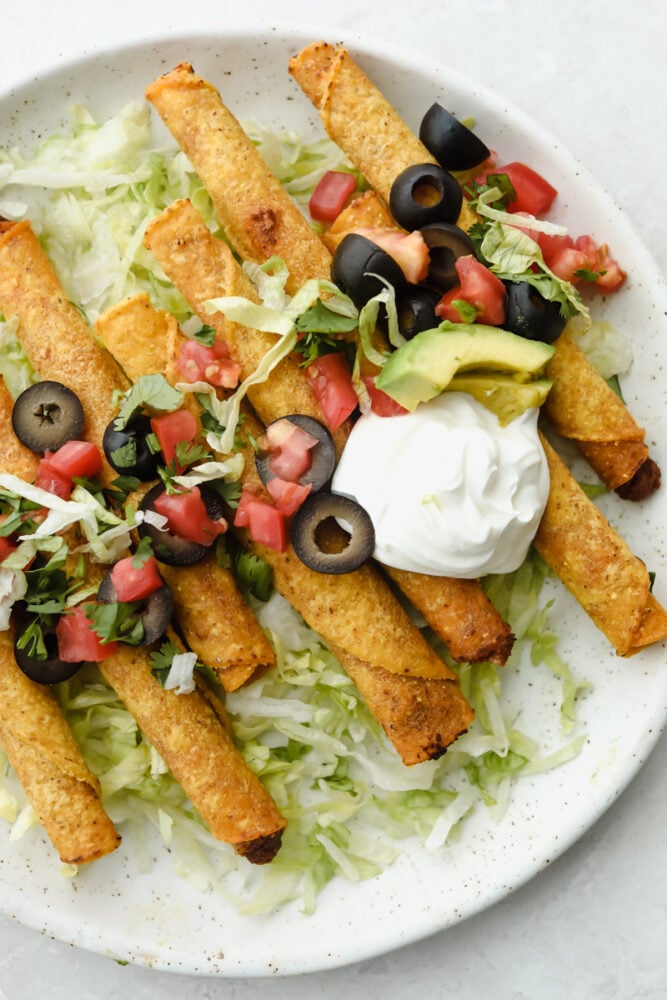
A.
x: 156, y: 919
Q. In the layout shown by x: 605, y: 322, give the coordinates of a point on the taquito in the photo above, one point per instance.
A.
x: 34, y: 734
x: 202, y: 267
x: 53, y: 332
x: 380, y: 144
x: 611, y: 584
x: 216, y: 622
x: 251, y: 205
x: 608, y: 437
x: 184, y: 728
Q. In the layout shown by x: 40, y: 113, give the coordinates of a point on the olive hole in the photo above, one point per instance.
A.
x: 47, y: 413
x: 426, y: 193
x: 329, y: 538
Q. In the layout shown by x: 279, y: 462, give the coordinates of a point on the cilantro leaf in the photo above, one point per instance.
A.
x: 142, y: 553
x: 255, y: 575
x: 161, y: 660
x: 117, y: 621
x: 205, y: 336
x: 149, y: 391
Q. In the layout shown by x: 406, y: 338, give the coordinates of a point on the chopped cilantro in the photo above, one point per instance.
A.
x: 205, y: 336
x: 142, y: 553
x: 152, y: 392
x: 466, y: 310
x: 586, y: 274
x: 117, y: 621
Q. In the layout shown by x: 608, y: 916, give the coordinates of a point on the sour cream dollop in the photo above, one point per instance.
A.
x: 449, y: 490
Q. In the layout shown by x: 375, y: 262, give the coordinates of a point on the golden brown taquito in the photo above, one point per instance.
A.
x: 215, y: 620
x: 185, y: 729
x: 34, y: 734
x: 197, y: 748
x: 202, y: 267
x: 256, y: 214
x: 580, y: 399
x: 595, y: 564
x: 359, y: 119
x: 605, y: 431
x: 53, y: 332
x: 48, y: 763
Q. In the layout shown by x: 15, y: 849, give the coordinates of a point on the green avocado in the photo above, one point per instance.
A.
x: 424, y: 366
x: 502, y: 394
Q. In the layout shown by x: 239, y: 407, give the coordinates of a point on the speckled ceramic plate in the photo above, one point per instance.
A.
x: 154, y: 918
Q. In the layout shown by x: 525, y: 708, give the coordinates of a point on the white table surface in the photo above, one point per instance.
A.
x: 594, y: 924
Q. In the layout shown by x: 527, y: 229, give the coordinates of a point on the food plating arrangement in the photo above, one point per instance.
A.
x: 286, y: 463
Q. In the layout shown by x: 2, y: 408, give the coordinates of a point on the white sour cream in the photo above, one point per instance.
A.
x: 449, y: 491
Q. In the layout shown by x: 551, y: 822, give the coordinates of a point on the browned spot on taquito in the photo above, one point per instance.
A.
x: 186, y: 732
x: 33, y: 730
x: 184, y: 728
x: 583, y: 408
x: 256, y: 213
x: 203, y: 267
x: 596, y: 565
x: 52, y: 331
x: 215, y: 620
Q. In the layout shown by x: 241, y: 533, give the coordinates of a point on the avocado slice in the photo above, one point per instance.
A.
x: 424, y: 366
x: 502, y: 394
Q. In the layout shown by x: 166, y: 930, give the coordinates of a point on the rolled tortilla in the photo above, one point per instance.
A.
x: 359, y: 118
x: 184, y: 728
x: 216, y: 622
x: 581, y: 405
x: 583, y: 408
x: 187, y: 733
x: 253, y: 208
x: 33, y: 731
x: 595, y: 564
x: 202, y: 268
x: 30, y: 290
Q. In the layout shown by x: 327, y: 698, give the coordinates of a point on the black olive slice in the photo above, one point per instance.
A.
x: 51, y: 670
x: 355, y: 263
x: 169, y: 548
x: 424, y: 193
x: 530, y: 315
x: 46, y: 416
x: 415, y: 307
x: 127, y: 451
x: 156, y: 612
x: 454, y: 146
x: 323, y: 454
x: 314, y: 525
x: 446, y: 243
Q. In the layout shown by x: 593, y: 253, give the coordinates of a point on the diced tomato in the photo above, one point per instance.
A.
x: 288, y: 496
x: 481, y: 288
x: 134, y: 583
x: 329, y: 197
x: 198, y: 363
x: 409, y: 250
x: 381, y: 403
x: 290, y: 447
x: 172, y: 429
x: 565, y: 256
x: 77, y: 641
x: 50, y: 479
x: 188, y: 518
x: 266, y: 524
x: 534, y: 194
x: 331, y: 381
x: 76, y: 458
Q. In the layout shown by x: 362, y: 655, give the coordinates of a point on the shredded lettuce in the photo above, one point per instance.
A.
x: 303, y: 729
